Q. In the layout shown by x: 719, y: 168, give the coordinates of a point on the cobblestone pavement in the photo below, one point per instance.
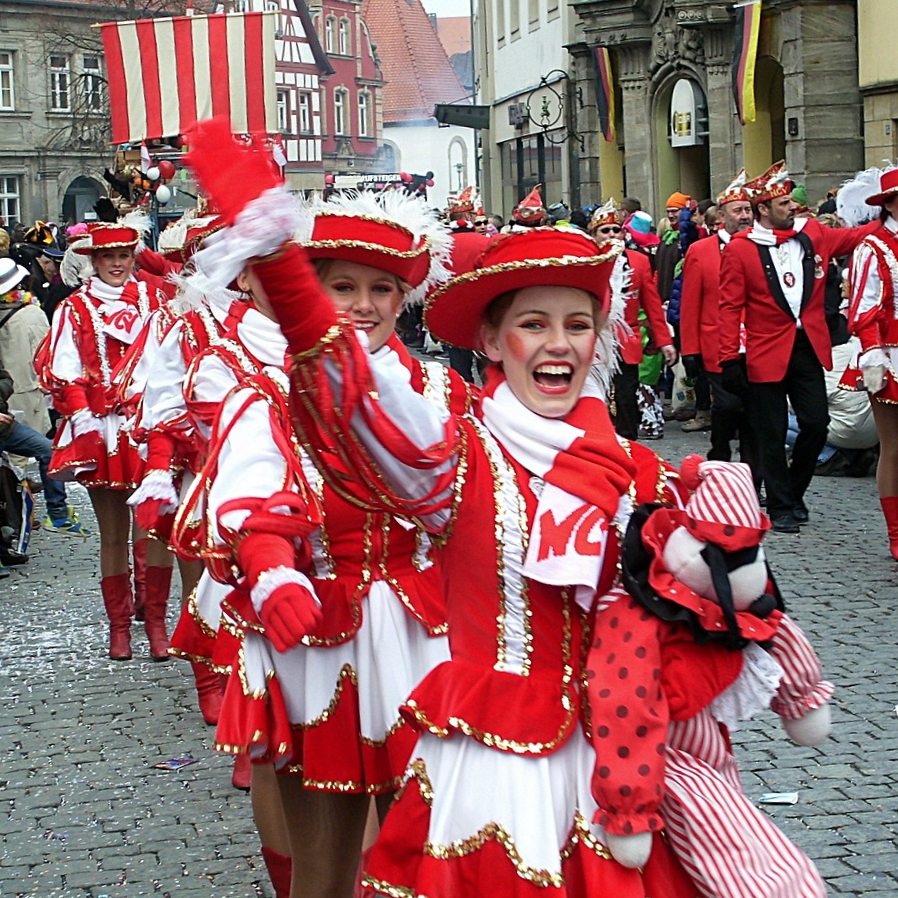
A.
x: 85, y: 813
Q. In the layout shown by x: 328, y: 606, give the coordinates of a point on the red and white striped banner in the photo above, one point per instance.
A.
x: 166, y: 74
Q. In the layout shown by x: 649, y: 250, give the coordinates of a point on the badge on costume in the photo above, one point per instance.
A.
x: 789, y: 279
x: 818, y: 267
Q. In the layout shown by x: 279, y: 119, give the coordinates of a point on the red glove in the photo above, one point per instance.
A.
x: 289, y: 613
x: 231, y: 173
x: 148, y: 515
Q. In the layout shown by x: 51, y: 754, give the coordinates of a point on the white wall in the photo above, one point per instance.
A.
x: 520, y: 63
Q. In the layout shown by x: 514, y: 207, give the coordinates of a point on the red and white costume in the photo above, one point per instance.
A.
x: 873, y: 310
x: 498, y: 789
x: 327, y: 710
x: 90, y: 334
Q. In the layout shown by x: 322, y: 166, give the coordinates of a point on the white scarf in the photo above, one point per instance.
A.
x: 121, y: 320
x: 569, y: 537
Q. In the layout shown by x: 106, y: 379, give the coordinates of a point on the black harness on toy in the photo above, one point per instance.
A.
x: 635, y: 564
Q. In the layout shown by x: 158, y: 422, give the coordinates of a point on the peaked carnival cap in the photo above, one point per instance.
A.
x: 735, y: 191
x: 464, y: 202
x: 773, y: 184
x: 530, y: 211
x: 538, y: 257
x: 604, y: 215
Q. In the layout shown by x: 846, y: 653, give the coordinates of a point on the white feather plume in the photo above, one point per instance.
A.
x: 607, y: 355
x: 173, y: 237
x: 75, y: 269
x: 851, y: 200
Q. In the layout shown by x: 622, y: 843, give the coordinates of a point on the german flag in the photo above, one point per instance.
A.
x: 604, y: 92
x: 748, y: 26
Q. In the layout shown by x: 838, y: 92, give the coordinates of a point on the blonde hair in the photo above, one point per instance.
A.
x: 4, y: 242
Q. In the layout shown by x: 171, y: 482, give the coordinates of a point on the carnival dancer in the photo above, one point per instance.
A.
x: 873, y: 318
x: 773, y: 277
x: 699, y: 314
x: 327, y: 711
x: 90, y: 333
x: 634, y: 270
x: 497, y: 797
x: 164, y: 429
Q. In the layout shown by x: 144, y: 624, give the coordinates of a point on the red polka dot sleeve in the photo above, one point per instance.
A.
x: 628, y: 717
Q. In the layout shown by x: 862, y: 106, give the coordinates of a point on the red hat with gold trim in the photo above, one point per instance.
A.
x: 604, y: 216
x: 540, y: 257
x: 392, y: 231
x: 773, y: 184
x: 888, y: 187
x: 530, y: 211
x: 735, y: 191
x: 102, y: 235
x: 179, y: 241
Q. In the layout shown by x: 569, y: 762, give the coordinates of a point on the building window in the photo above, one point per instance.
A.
x: 92, y: 82
x: 7, y: 81
x: 305, y: 112
x: 284, y: 111
x: 364, y: 111
x: 500, y: 20
x: 339, y: 112
x: 273, y: 5
x: 552, y: 9
x: 515, y: 19
x: 344, y: 37
x: 9, y: 199
x: 329, y: 23
x: 533, y: 14
x: 241, y: 5
x: 59, y: 84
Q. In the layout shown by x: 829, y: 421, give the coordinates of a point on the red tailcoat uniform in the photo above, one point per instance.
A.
x: 642, y: 294
x: 700, y: 300
x: 770, y: 326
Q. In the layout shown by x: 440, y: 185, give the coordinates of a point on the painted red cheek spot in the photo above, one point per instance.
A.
x: 515, y: 346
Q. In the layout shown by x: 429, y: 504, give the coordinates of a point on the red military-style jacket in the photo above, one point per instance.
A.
x: 642, y: 293
x: 750, y: 289
x: 700, y: 300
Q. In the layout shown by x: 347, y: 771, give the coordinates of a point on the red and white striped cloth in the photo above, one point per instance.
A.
x: 166, y: 74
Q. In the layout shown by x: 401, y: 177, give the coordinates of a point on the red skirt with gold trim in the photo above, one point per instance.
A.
x: 471, y: 820
x: 104, y: 458
x: 330, y: 714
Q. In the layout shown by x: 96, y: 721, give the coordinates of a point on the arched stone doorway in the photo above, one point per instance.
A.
x: 764, y: 140
x: 80, y: 197
x: 680, y: 117
x: 458, y: 166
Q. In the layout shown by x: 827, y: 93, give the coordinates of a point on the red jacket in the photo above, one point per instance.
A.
x: 769, y: 326
x: 642, y: 294
x: 700, y: 301
x: 467, y: 246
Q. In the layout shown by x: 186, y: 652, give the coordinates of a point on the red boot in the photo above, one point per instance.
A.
x: 242, y: 774
x: 209, y: 691
x: 155, y: 605
x: 280, y: 871
x: 139, y: 553
x: 118, y: 601
x: 890, y: 510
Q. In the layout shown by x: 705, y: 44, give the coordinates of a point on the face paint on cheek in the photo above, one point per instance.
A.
x: 515, y: 346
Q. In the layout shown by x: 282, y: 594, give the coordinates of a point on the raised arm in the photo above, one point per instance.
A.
x: 371, y: 435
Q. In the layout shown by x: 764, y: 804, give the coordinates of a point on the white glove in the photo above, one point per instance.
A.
x: 874, y: 378
x: 811, y: 729
x: 83, y: 422
x: 630, y: 851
